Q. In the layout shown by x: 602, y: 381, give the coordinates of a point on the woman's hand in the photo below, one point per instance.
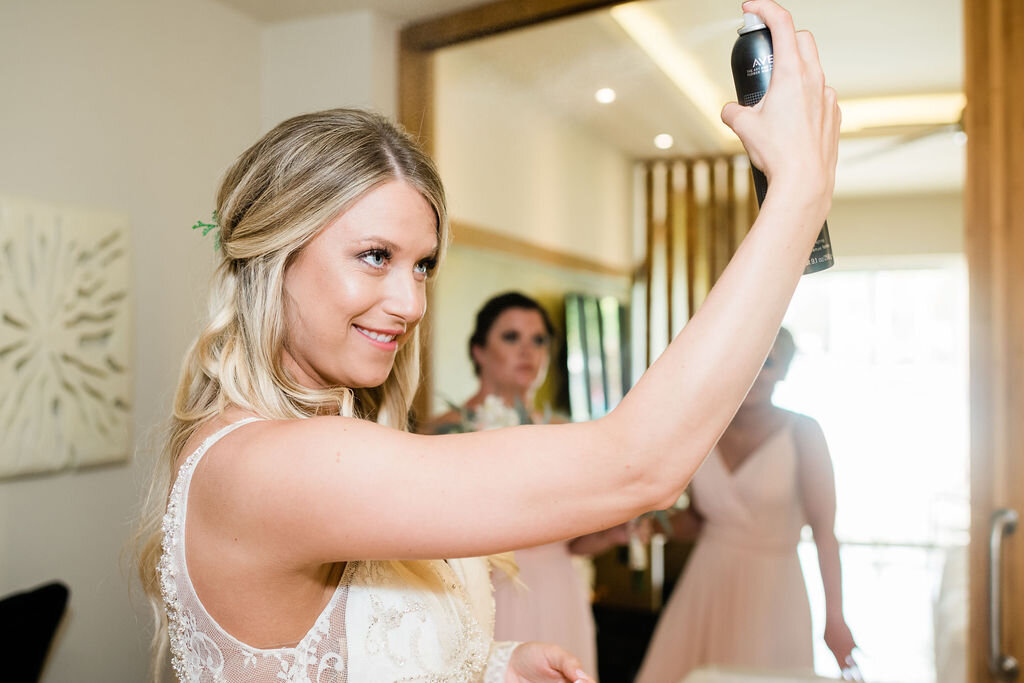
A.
x: 544, y: 663
x: 840, y: 641
x: 792, y: 134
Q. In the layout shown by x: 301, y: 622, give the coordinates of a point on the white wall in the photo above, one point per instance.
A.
x: 136, y: 107
x: 516, y: 169
x: 139, y: 107
x: 346, y: 59
x: 895, y: 226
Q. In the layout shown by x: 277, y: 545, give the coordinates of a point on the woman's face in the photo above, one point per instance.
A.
x: 771, y: 374
x: 514, y: 358
x: 355, y: 293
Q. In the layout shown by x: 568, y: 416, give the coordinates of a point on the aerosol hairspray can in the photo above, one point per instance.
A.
x: 752, y: 62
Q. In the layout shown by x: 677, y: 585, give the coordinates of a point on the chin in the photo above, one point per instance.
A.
x: 369, y: 378
x: 367, y: 382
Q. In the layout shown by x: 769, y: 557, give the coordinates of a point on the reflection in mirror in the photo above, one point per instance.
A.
x: 586, y: 155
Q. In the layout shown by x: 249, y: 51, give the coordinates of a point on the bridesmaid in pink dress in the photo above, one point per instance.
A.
x: 548, y: 599
x: 742, y: 599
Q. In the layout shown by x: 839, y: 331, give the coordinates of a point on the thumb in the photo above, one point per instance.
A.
x: 731, y: 115
x: 568, y: 665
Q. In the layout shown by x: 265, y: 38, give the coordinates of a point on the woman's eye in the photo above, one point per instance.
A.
x: 425, y: 267
x: 377, y: 258
x: 510, y: 337
x: 540, y: 340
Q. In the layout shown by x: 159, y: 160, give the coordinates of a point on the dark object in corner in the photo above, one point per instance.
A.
x: 28, y: 622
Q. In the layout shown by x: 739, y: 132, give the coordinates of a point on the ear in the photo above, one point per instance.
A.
x: 478, y: 353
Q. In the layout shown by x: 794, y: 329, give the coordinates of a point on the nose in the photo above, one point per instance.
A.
x: 405, y: 298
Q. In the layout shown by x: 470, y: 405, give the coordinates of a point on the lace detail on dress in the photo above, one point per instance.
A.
x: 387, y: 621
x: 418, y: 625
x: 497, y: 663
x: 200, y: 649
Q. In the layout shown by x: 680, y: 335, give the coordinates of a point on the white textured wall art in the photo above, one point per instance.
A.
x: 65, y: 337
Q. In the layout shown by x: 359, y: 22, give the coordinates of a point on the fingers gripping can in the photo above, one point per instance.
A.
x: 752, y: 62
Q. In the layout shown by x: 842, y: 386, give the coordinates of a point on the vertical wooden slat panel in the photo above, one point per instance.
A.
x: 704, y: 222
x: 711, y: 228
x: 649, y: 255
x: 723, y: 226
x: 683, y: 273
x: 670, y: 260
x: 691, y: 240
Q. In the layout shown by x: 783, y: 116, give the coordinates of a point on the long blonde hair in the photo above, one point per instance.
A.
x: 273, y: 201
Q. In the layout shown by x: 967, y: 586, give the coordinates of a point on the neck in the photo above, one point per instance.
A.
x: 754, y: 413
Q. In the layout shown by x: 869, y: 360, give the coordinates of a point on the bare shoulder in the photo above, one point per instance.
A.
x: 809, y: 438
x: 266, y: 479
x: 804, y: 426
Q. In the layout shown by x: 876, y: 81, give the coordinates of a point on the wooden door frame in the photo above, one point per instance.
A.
x: 994, y: 217
x: 994, y: 41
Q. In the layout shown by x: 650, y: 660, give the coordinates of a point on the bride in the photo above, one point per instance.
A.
x: 294, y: 527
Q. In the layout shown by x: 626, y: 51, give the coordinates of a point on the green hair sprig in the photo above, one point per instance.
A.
x: 207, y: 227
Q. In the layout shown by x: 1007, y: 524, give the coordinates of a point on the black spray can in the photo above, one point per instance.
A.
x: 752, y: 62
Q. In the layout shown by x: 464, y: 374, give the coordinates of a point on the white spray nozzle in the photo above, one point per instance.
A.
x: 751, y: 22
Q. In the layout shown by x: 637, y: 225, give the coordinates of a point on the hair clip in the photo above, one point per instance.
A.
x: 207, y: 227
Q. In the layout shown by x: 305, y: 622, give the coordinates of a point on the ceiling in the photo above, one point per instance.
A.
x: 403, y: 11
x: 867, y: 47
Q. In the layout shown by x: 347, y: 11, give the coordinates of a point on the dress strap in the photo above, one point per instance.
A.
x: 210, y: 440
x: 192, y: 460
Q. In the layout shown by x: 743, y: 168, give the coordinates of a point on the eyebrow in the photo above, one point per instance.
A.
x: 394, y: 248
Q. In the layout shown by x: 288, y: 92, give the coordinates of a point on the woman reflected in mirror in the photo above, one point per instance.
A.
x: 742, y: 599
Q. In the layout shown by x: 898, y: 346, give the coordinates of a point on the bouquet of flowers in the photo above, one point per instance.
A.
x: 493, y: 413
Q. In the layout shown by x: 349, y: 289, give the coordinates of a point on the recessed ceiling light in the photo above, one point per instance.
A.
x: 960, y: 138
x: 663, y: 141
x: 605, y: 96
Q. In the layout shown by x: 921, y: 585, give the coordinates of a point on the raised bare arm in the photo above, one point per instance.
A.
x: 334, y: 489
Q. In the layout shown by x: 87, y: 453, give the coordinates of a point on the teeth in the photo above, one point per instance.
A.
x: 385, y: 338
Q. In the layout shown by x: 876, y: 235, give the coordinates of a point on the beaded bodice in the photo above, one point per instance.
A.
x: 427, y: 620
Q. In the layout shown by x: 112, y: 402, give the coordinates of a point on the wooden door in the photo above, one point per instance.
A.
x: 994, y: 82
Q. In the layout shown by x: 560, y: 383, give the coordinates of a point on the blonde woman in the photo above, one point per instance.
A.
x: 294, y: 526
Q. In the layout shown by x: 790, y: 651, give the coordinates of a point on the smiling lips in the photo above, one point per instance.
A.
x: 384, y: 339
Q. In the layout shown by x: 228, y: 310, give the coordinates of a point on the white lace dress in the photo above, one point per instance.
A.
x: 421, y: 621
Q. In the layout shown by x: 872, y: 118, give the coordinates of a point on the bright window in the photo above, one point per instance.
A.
x: 883, y: 366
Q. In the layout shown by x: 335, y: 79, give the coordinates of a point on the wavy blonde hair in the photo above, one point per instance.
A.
x: 273, y: 201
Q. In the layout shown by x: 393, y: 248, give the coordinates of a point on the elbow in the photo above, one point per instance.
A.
x: 661, y: 490
x: 825, y: 538
x: 668, y: 500
x: 654, y: 473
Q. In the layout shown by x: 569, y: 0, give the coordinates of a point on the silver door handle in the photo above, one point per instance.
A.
x: 1003, y: 666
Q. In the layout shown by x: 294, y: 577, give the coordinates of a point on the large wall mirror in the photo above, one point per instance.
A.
x: 595, y: 138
